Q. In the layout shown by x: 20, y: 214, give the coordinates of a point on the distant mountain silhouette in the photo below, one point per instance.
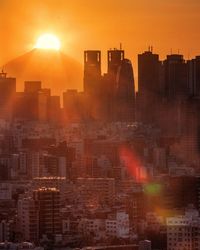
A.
x: 53, y: 68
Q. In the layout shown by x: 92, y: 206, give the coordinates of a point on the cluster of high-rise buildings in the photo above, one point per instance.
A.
x: 109, y: 97
x: 168, y: 93
x: 167, y: 90
x: 111, y: 166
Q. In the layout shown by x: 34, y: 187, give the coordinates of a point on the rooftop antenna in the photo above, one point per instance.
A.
x: 120, y: 46
x: 3, y: 74
x: 149, y: 48
x: 152, y: 49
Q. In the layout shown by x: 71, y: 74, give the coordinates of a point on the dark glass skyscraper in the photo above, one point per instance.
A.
x: 176, y: 86
x: 125, y: 92
x: 92, y: 71
x: 115, y: 57
x: 148, y: 86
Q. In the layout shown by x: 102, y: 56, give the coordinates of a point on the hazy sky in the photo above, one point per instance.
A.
x: 103, y: 24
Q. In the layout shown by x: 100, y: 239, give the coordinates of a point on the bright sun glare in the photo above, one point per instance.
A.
x: 48, y: 41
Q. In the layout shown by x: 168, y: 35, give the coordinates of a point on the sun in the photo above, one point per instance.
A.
x: 48, y: 41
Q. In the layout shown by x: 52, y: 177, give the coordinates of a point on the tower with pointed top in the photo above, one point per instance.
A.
x: 125, y: 93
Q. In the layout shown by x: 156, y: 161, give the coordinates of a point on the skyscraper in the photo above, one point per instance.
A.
x: 176, y: 92
x: 92, y: 70
x: 110, y: 97
x: 7, y: 95
x: 148, y: 86
x: 125, y: 92
x: 175, y: 69
x: 92, y: 83
x: 115, y: 57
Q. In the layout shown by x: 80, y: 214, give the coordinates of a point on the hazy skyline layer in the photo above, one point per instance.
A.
x: 167, y: 25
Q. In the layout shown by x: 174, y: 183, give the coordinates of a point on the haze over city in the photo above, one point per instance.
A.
x: 99, y: 125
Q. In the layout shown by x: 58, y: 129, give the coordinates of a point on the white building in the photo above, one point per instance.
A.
x: 118, y: 226
x: 96, y: 227
x: 183, y: 232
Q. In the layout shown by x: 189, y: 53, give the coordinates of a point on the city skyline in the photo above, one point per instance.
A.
x: 75, y: 71
x: 100, y: 125
x: 166, y: 25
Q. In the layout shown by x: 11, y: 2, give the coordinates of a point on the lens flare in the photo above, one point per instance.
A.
x: 152, y: 189
x: 133, y: 165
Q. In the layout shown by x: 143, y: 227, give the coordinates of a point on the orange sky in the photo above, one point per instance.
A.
x: 92, y: 24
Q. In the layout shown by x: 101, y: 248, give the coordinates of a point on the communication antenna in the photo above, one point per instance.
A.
x: 120, y: 46
x: 3, y: 74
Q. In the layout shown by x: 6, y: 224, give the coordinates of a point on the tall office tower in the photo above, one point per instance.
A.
x: 175, y: 70
x: 148, y: 86
x: 92, y: 83
x: 48, y: 200
x: 7, y: 95
x: 115, y: 57
x: 32, y: 86
x: 92, y: 71
x: 176, y: 92
x: 193, y: 69
x: 125, y: 93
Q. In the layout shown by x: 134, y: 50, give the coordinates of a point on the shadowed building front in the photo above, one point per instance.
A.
x: 7, y: 96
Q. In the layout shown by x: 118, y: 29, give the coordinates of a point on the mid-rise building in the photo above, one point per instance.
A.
x: 183, y: 231
x: 48, y: 200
